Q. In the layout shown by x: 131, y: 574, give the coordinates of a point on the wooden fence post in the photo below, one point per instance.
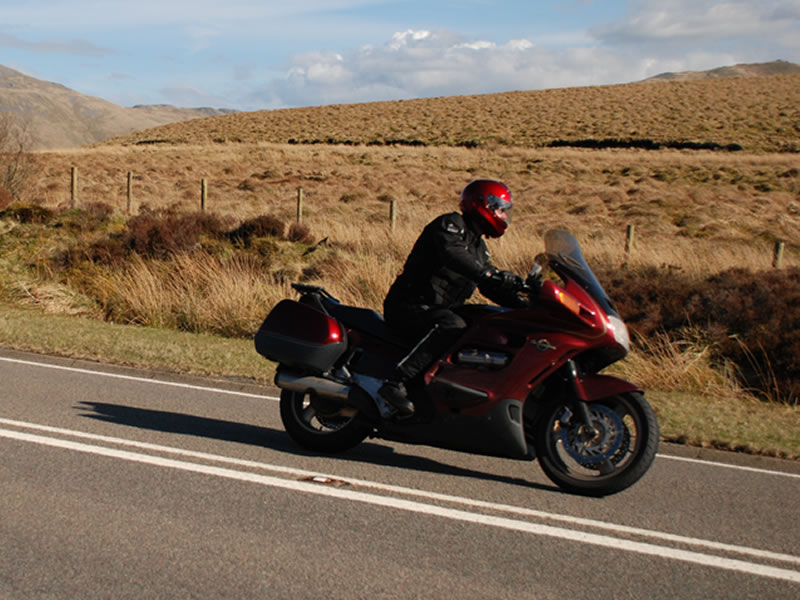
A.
x: 203, y: 194
x: 629, y: 240
x: 777, y: 255
x: 73, y: 196
x: 130, y: 193
x: 392, y: 213
x: 299, y: 205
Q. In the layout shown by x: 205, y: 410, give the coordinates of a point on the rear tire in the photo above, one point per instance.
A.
x: 321, y: 425
x: 608, y: 460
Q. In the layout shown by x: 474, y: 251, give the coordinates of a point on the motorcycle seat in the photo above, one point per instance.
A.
x: 365, y: 320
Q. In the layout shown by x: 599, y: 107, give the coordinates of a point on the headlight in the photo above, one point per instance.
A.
x: 620, y: 332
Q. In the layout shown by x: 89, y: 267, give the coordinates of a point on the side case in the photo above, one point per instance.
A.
x: 300, y: 336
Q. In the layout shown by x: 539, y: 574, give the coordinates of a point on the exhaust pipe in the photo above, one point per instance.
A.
x: 309, y: 384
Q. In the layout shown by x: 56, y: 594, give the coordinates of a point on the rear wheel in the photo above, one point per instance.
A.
x: 321, y: 424
x: 611, y: 455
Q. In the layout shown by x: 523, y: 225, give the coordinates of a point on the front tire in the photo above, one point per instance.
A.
x: 319, y: 424
x: 607, y: 459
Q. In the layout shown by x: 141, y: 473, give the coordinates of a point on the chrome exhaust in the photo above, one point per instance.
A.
x: 310, y: 384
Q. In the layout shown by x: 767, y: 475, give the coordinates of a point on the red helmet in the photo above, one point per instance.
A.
x: 487, y: 203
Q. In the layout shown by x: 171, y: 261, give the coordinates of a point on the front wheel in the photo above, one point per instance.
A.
x: 321, y: 424
x: 611, y: 455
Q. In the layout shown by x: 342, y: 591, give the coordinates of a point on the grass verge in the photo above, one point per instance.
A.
x: 143, y: 347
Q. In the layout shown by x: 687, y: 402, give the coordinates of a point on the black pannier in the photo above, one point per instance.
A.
x: 298, y: 335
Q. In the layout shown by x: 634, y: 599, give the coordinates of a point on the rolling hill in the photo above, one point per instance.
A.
x: 753, y: 114
x: 750, y: 107
x: 776, y: 67
x: 58, y: 117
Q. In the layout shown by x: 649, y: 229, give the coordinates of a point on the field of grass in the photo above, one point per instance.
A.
x: 755, y: 113
x: 696, y: 213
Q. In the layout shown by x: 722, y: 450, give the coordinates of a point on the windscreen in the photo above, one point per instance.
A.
x: 566, y: 259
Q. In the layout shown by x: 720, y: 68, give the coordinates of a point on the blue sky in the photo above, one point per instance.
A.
x: 252, y: 55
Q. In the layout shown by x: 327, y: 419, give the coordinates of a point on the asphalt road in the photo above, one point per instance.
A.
x: 119, y: 483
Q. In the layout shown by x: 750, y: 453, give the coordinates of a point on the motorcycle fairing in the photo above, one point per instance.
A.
x: 596, y: 387
x: 500, y: 433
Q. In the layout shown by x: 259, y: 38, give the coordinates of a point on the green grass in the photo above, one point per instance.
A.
x: 143, y: 347
x: 745, y: 425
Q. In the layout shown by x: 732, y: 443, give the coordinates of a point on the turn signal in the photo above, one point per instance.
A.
x: 569, y: 301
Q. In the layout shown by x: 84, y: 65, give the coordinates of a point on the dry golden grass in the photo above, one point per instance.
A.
x: 697, y: 211
x: 757, y: 113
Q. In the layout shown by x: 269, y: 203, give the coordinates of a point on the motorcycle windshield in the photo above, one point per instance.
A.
x: 566, y: 258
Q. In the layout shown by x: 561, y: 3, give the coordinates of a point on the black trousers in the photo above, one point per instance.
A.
x: 434, y: 330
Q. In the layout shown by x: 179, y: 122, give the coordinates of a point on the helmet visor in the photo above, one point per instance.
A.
x: 500, y: 207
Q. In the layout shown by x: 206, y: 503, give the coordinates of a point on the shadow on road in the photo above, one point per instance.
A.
x: 241, y: 433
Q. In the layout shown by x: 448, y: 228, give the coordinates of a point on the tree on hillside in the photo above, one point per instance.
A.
x: 17, y: 164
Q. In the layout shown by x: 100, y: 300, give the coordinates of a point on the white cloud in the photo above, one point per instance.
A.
x: 424, y: 63
x: 685, y: 21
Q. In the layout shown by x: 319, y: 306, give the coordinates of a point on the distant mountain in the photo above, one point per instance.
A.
x: 58, y: 117
x: 776, y: 67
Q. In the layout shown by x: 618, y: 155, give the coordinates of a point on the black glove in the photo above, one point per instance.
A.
x: 503, y: 281
x: 535, y: 280
x: 511, y: 282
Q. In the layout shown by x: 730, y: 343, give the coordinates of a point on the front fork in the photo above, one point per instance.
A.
x: 580, y: 398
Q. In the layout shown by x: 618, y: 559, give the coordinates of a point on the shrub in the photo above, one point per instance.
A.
x: 156, y: 235
x: 752, y: 319
x: 263, y: 226
x: 300, y: 233
x: 89, y: 217
x: 27, y: 213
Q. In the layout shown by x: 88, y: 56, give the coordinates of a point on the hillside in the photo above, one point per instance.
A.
x: 754, y: 114
x: 58, y: 117
x: 776, y: 67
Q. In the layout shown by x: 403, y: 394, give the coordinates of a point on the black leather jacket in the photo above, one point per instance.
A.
x: 444, y: 268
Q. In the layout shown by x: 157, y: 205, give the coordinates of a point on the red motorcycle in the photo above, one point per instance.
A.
x: 519, y: 383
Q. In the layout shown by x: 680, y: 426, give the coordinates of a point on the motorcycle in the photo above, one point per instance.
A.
x: 521, y: 383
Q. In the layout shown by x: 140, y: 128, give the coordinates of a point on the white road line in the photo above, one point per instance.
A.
x: 707, y: 463
x: 137, y: 379
x: 275, y: 398
x: 473, y: 503
x: 421, y: 508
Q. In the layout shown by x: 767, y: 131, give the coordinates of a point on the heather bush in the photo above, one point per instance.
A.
x: 161, y: 235
x: 90, y: 217
x: 263, y: 226
x: 749, y: 318
x: 27, y: 213
x: 301, y: 233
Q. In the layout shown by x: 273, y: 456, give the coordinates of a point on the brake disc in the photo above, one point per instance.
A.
x: 610, y: 439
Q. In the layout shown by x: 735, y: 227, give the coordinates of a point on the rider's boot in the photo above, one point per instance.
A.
x: 394, y: 393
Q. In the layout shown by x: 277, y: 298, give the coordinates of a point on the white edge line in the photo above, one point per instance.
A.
x: 418, y: 507
x: 526, y: 512
x: 700, y: 461
x: 138, y: 379
x: 275, y: 398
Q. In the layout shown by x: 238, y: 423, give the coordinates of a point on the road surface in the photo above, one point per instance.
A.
x: 121, y: 483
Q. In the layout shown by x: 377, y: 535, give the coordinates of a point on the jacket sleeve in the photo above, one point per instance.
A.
x: 454, y: 248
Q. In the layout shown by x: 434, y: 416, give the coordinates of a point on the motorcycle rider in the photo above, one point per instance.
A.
x: 448, y: 262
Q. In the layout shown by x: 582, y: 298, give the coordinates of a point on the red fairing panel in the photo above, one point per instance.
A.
x: 597, y: 387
